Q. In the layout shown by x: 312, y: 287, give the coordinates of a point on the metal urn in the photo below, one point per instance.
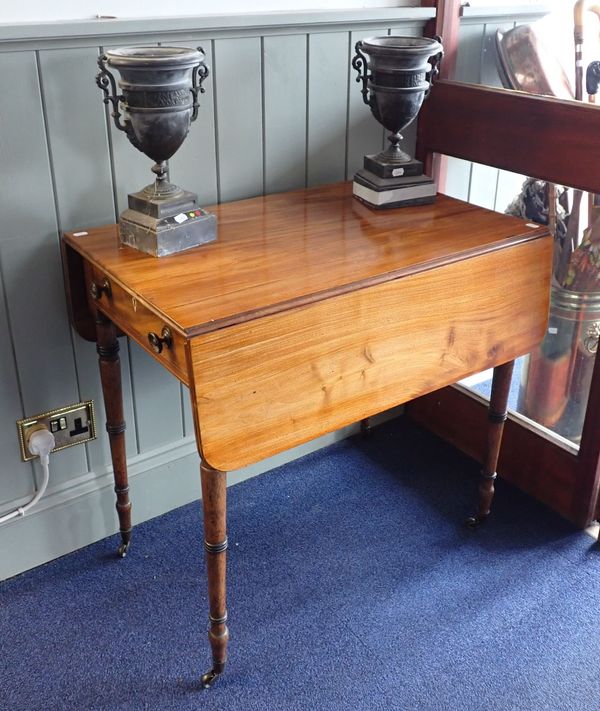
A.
x: 396, y: 75
x: 159, y: 98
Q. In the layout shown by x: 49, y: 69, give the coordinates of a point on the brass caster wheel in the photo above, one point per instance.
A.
x: 474, y: 521
x: 122, y: 549
x: 209, y: 678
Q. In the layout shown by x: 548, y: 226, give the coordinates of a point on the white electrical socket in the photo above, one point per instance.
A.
x: 71, y: 425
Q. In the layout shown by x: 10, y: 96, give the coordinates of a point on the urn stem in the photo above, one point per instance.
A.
x: 393, y: 152
x: 161, y: 188
x: 161, y: 170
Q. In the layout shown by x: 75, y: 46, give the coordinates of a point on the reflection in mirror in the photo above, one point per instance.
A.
x: 554, y: 381
x: 558, y: 55
x: 537, y: 44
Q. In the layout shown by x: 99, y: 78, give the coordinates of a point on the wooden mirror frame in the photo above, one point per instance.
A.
x: 543, y: 138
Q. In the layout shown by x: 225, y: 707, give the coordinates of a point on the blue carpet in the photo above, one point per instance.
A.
x: 352, y: 586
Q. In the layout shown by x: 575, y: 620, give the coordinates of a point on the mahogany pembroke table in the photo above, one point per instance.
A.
x: 309, y: 312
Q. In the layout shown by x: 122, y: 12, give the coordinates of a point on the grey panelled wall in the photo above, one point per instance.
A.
x: 281, y: 111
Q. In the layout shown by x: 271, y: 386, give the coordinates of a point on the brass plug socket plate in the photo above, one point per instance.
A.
x: 70, y: 425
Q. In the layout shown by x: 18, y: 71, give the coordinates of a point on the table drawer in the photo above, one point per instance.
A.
x: 145, y: 327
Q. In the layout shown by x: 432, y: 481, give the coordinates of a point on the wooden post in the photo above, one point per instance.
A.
x: 588, y: 461
x: 110, y: 375
x: 497, y: 414
x: 214, y: 503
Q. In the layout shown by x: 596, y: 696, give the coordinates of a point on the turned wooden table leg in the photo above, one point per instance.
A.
x: 110, y: 375
x: 214, y: 503
x: 497, y: 417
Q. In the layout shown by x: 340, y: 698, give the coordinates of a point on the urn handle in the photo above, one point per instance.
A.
x: 591, y: 338
x: 434, y: 65
x: 106, y: 81
x: 359, y: 62
x: 198, y: 76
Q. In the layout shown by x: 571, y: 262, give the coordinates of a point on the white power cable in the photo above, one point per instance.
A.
x: 41, y: 442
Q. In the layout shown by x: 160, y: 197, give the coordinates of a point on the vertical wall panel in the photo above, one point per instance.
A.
x: 284, y: 70
x: 42, y: 338
x: 365, y: 134
x: 157, y: 401
x: 194, y: 166
x: 77, y: 137
x: 30, y: 253
x: 15, y: 477
x: 78, y: 142
x: 238, y: 97
x: 470, y: 47
x: 188, y: 416
x: 327, y: 107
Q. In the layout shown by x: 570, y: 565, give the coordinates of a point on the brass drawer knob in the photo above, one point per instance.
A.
x: 96, y: 290
x: 158, y: 342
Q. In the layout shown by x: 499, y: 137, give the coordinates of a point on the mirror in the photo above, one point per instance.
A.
x: 539, y: 54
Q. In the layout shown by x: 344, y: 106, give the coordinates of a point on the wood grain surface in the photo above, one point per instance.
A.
x: 266, y: 385
x: 280, y: 251
x: 137, y: 321
x: 312, y: 311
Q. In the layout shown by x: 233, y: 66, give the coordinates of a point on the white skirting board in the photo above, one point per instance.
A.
x: 161, y: 480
